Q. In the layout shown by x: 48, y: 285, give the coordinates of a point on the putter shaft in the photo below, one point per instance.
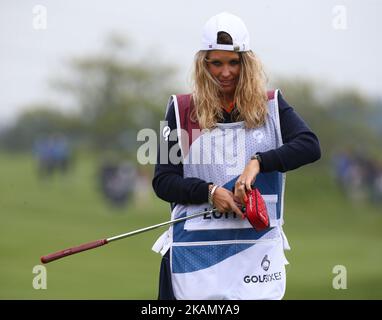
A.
x: 98, y: 243
x: 132, y: 233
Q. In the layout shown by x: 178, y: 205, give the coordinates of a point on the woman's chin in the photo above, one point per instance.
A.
x: 227, y: 91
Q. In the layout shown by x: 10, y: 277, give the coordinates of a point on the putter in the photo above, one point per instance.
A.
x: 98, y: 243
x: 255, y: 211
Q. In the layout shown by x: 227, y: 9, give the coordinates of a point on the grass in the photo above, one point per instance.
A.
x: 38, y: 217
x: 325, y: 230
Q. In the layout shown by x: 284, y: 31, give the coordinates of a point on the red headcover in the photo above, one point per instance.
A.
x: 256, y: 210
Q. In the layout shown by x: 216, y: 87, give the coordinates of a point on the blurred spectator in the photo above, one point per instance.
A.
x: 117, y: 181
x: 142, y: 188
x: 53, y: 154
x: 377, y: 188
x: 359, y: 176
x: 61, y: 153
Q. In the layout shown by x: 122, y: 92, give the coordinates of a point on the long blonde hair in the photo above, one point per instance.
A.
x: 250, y: 95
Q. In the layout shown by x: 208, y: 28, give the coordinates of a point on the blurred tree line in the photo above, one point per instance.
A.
x: 117, y: 95
x: 343, y: 119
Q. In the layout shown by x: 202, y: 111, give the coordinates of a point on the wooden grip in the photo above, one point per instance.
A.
x: 67, y: 252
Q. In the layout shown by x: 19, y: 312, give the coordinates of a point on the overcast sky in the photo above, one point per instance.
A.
x: 333, y: 41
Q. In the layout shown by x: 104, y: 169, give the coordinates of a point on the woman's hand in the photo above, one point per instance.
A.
x: 224, y: 201
x: 246, y: 179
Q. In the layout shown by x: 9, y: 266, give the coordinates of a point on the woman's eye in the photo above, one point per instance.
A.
x: 216, y: 63
x: 234, y: 62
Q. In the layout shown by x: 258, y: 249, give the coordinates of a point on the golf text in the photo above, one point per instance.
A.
x: 262, y: 278
x: 192, y: 309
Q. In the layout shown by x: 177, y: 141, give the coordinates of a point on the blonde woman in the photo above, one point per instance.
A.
x: 229, y: 135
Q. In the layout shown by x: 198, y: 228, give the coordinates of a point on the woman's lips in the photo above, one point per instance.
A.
x: 227, y: 83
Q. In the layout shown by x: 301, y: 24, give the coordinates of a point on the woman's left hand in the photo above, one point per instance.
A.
x: 246, y: 179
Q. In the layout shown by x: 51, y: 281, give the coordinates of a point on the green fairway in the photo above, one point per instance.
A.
x: 39, y: 217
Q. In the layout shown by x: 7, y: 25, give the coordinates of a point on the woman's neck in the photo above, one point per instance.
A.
x: 227, y: 100
x: 227, y: 103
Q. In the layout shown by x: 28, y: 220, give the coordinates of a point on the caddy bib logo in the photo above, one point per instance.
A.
x: 166, y: 132
x: 258, y: 136
x: 265, y: 263
x: 263, y: 278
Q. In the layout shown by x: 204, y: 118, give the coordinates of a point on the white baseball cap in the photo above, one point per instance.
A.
x: 229, y: 23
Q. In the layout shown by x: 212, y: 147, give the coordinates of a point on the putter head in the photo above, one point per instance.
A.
x: 256, y: 210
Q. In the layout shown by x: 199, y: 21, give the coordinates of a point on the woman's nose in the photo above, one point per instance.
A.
x: 226, y: 71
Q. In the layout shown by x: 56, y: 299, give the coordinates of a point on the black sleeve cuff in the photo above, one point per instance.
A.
x: 203, y: 192
x: 269, y: 161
